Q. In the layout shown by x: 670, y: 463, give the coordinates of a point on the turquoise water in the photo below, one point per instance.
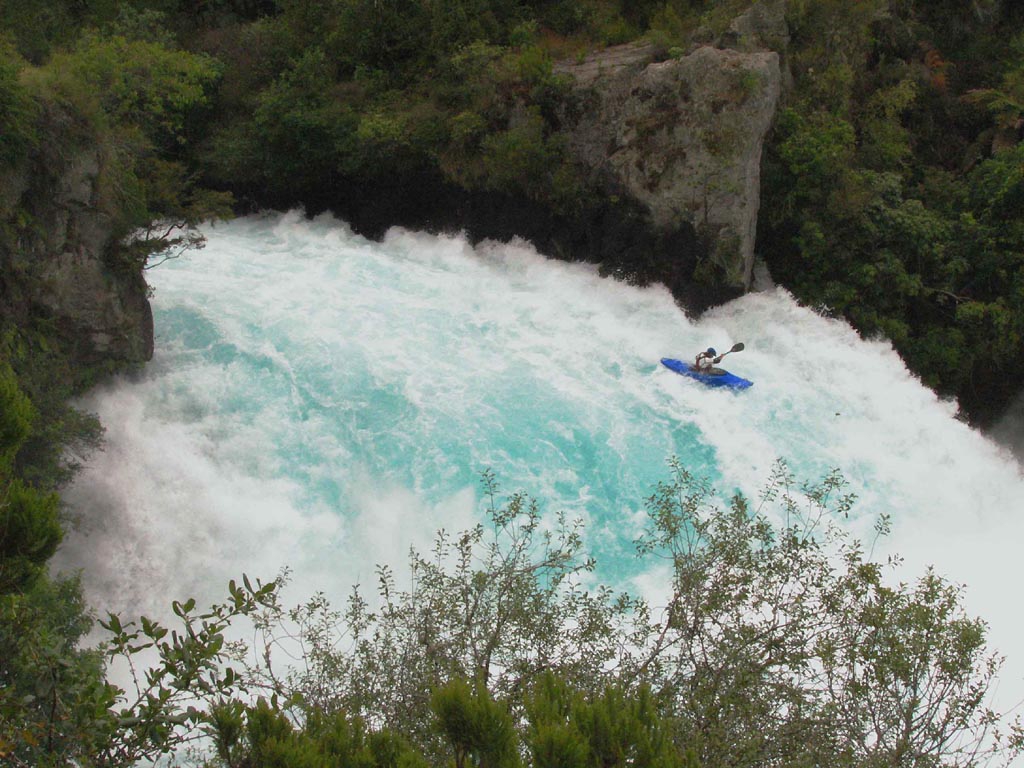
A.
x: 323, y: 402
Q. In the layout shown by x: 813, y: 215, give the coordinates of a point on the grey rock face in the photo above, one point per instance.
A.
x: 61, y: 270
x: 103, y: 317
x: 681, y: 136
x: 761, y: 27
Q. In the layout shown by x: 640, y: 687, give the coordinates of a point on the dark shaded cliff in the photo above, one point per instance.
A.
x: 60, y: 282
x: 56, y: 268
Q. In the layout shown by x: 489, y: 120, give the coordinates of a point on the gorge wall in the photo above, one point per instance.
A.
x: 683, y: 138
x: 58, y: 273
x: 669, y: 140
x: 670, y: 145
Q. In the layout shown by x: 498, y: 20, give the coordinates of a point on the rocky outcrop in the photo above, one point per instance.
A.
x: 56, y: 260
x: 683, y: 137
x: 761, y: 27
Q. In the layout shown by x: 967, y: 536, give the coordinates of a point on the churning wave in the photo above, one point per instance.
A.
x: 324, y: 402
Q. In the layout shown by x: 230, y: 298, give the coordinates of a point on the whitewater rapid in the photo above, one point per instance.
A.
x: 322, y: 402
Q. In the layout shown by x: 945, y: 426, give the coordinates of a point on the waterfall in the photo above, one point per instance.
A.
x: 323, y: 402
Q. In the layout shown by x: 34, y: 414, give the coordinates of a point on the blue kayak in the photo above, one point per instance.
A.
x: 717, y: 378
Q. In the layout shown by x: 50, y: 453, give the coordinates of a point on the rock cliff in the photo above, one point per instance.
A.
x: 683, y: 138
x: 671, y: 140
x: 57, y: 270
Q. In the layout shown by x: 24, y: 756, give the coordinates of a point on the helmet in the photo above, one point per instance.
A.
x: 711, y: 351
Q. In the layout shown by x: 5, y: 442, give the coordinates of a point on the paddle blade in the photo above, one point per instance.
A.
x: 737, y: 347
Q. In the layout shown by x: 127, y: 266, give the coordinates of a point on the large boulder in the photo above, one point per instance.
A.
x: 762, y: 26
x: 683, y: 137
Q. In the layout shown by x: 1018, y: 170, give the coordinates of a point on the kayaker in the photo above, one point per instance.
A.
x: 706, y: 360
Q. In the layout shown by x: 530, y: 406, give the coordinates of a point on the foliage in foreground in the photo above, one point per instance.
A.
x: 778, y: 642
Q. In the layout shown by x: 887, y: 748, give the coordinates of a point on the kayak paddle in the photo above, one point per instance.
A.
x: 735, y: 348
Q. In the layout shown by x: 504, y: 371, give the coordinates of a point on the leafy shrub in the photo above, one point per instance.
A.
x: 17, y: 110
x: 780, y: 642
x: 29, y: 526
x: 138, y: 83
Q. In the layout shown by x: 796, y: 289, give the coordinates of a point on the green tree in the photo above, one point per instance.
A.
x: 479, y: 729
x: 870, y: 208
x: 38, y: 28
x: 54, y: 702
x: 263, y: 736
x: 146, y: 85
x: 500, y: 604
x: 982, y: 284
x: 613, y: 729
x: 388, y: 35
x: 29, y: 525
x: 57, y: 709
x: 132, y: 99
x: 303, y: 135
x: 783, y: 643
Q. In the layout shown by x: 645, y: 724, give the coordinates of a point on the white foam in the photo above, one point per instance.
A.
x: 323, y: 402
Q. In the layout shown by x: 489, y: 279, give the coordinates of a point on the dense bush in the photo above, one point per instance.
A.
x: 17, y: 123
x: 885, y: 183
x: 780, y: 643
x: 29, y: 528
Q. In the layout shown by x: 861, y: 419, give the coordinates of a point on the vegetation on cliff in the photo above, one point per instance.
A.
x: 90, y: 156
x: 891, y: 184
x: 893, y: 187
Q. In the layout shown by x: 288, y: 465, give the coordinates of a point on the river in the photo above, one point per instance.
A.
x: 323, y: 402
